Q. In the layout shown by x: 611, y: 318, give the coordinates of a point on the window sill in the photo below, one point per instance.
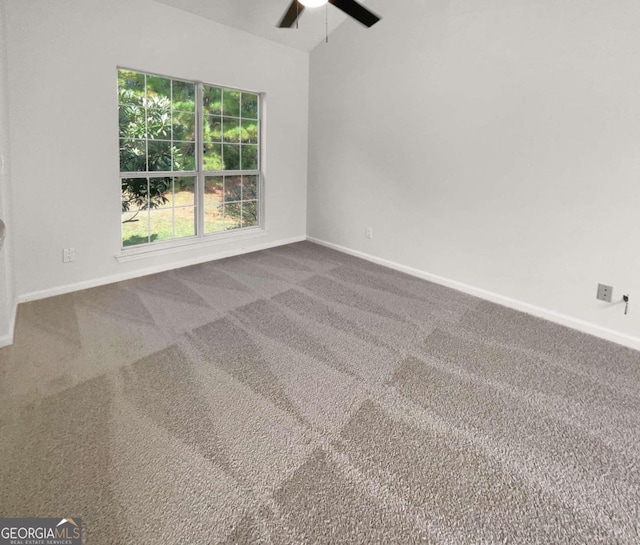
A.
x: 166, y: 248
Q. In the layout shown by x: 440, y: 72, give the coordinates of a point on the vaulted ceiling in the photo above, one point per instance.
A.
x: 260, y: 17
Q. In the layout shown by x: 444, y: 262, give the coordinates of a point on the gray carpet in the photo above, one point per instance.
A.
x: 299, y: 395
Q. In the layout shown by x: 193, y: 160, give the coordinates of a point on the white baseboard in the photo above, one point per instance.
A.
x: 552, y: 316
x: 95, y: 282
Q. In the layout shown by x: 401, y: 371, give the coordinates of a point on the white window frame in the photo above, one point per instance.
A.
x: 169, y: 246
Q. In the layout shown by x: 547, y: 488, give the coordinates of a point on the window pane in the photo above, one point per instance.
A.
x: 231, y: 157
x: 213, y: 186
x: 132, y: 121
x: 130, y: 87
x: 249, y: 214
x: 230, y: 103
x: 212, y: 100
x: 231, y: 130
x: 184, y: 126
x: 135, y: 204
x: 249, y: 188
x: 185, y: 222
x: 232, y: 188
x: 249, y: 105
x: 161, y: 192
x: 232, y: 214
x: 184, y: 156
x: 159, y: 155
x: 184, y: 96
x: 158, y: 89
x: 213, y: 219
x: 249, y: 158
x: 212, y: 157
x: 133, y: 155
x: 158, y: 114
x: 135, y: 228
x: 212, y: 128
x: 249, y: 131
x: 135, y: 194
x: 159, y: 124
x: 184, y: 188
x: 161, y: 224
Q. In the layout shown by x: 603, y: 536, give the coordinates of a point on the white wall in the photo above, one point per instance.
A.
x: 7, y: 293
x: 63, y: 56
x: 494, y: 144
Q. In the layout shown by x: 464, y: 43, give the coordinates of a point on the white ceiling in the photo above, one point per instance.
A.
x: 260, y: 17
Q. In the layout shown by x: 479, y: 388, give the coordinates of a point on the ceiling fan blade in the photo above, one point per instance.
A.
x: 357, y: 11
x: 294, y: 10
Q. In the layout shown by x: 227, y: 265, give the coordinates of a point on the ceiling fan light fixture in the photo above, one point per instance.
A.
x: 351, y: 7
x: 313, y: 3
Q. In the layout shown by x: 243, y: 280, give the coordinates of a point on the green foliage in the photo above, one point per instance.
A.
x: 249, y: 214
x: 212, y: 100
x: 230, y: 103
x: 212, y: 159
x: 249, y: 106
x: 249, y: 133
x: 231, y: 155
x: 144, y: 193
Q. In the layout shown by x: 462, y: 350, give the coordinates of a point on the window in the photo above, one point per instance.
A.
x: 189, y: 158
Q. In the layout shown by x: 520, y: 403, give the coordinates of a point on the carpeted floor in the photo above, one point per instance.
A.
x: 299, y: 395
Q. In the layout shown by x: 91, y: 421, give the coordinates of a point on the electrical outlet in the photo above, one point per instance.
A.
x: 368, y: 232
x: 604, y: 293
x: 68, y: 255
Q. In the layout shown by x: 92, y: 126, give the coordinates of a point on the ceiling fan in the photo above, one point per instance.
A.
x: 350, y: 7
